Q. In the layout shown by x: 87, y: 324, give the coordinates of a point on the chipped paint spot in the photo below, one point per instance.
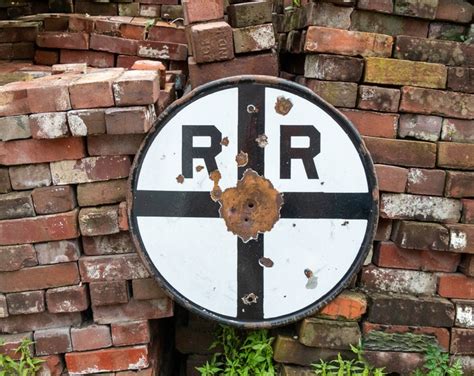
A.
x: 465, y: 316
x: 312, y: 282
x: 416, y: 176
x: 199, y: 168
x: 458, y: 240
x: 283, y: 105
x: 216, y: 192
x: 249, y: 299
x: 180, y: 179
x: 262, y: 140
x: 242, y: 159
x: 154, y: 52
x: 225, y: 141
x: 266, y: 262
x: 141, y: 363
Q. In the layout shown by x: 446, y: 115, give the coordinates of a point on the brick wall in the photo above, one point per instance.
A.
x: 401, y: 71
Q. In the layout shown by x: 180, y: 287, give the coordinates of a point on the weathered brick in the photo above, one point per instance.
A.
x: 249, y: 14
x: 388, y: 24
x: 254, y: 38
x: 147, y: 288
x: 408, y: 310
x: 456, y: 286
x: 459, y: 184
x: 30, y: 176
x: 99, y: 221
x: 49, y: 200
x: 416, y: 8
x: 79, y: 22
x: 136, y: 87
x: 16, y: 205
x: 457, y: 130
x: 384, y: 6
x: 49, y: 125
x: 14, y: 127
x: 90, y: 169
x: 5, y: 184
x: 211, y: 42
x: 378, y: 98
x: 73, y: 41
x: 464, y: 310
x: 446, y: 31
x: 388, y: 255
x: 50, y: 94
x: 398, y: 281
x: 125, y: 120
x: 467, y: 211
x: 393, y: 361
x: 384, y: 229
x: 154, y: 66
x: 95, y: 59
x: 327, y: 15
x: 202, y: 10
x: 85, y: 122
x: 130, y: 333
x: 113, y: 44
x: 426, y: 182
x: 43, y: 320
x: 421, y: 127
x: 18, y: 32
x: 162, y: 50
x: 333, y: 68
x: 461, y: 79
x: 329, y: 334
x: 39, y: 151
x: 424, y: 236
x: 13, y: 99
x: 421, y: 49
x: 91, y: 337
x: 114, y: 359
x: 264, y: 64
x: 373, y: 124
x: 22, y: 303
x: 16, y: 257
x: 109, y: 268
x: 108, y: 192
x: 94, y: 89
x: 391, y: 178
x: 121, y: 144
x: 339, y: 94
x: 401, y: 152
x: 53, y: 341
x: 342, y: 42
x: 59, y: 69
x: 454, y: 10
x: 67, y: 299
x: 453, y: 155
x: 467, y: 265
x: 109, y: 244
x: 39, y: 229
x: 290, y: 350
x: 404, y: 72
x: 348, y: 305
x: 10, y: 342
x: 462, y: 341
x: 57, y: 252
x: 461, y: 238
x: 171, y: 11
x: 108, y: 293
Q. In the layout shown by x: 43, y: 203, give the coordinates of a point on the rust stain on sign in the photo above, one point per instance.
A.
x: 283, y: 105
x: 180, y: 179
x: 199, y: 168
x: 262, y: 140
x: 312, y: 279
x: 252, y: 207
x: 242, y: 159
x: 266, y: 262
x: 216, y: 192
x: 225, y: 141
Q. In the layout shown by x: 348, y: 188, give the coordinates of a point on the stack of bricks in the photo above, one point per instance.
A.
x: 70, y: 278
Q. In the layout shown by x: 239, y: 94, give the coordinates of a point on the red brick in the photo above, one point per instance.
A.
x: 467, y: 265
x: 211, y: 42
x: 115, y: 359
x: 91, y: 337
x: 453, y: 155
x: 333, y: 68
x: 136, y: 87
x: 134, y: 310
x: 461, y: 238
x: 391, y: 178
x: 13, y: 98
x: 421, y: 127
x: 92, y: 58
x: 430, y: 101
x: 109, y: 244
x: 425, y: 236
x: 384, y: 6
x: 123, y: 216
x: 467, y: 211
x: 393, y: 361
x: 58, y: 252
x: 110, y: 268
x: 165, y: 32
x: 148, y: 288
x: 49, y: 200
x: 49, y: 125
x: 53, y: 341
x: 113, y: 44
x: 53, y: 365
x: 456, y: 286
x: 46, y: 57
x: 426, y: 182
x: 454, y: 10
x: 108, y: 25
x: 162, y: 50
x: 384, y: 229
x: 343, y: 42
x: 378, y: 98
x: 108, y: 293
x: 457, y: 130
x: 123, y: 144
x: 78, y: 22
x: 152, y: 65
x: 94, y: 90
x: 50, y: 93
x: 441, y: 334
x: 43, y: 320
x: 16, y: 205
x: 202, y: 10
x: 67, y: 299
x: 30, y: 176
x: 131, y: 333
x: 90, y: 169
x: 99, y: 221
x: 462, y: 341
x: 73, y: 41
x: 339, y: 94
x: 126, y: 61
x: 125, y: 120
x: 5, y: 184
x: 16, y: 257
x: 22, y: 303
x: 108, y: 192
x: 412, y: 8
x: 39, y: 229
x: 56, y: 22
x: 85, y: 122
x: 460, y: 184
x: 347, y: 306
x: 131, y: 31
x: 39, y: 151
x: 401, y: 152
x: 461, y: 79
x: 167, y: 96
x: 373, y: 124
x: 39, y: 277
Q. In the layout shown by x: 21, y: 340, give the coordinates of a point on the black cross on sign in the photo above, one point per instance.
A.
x: 327, y: 221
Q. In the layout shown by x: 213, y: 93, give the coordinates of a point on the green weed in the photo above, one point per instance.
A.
x: 27, y: 365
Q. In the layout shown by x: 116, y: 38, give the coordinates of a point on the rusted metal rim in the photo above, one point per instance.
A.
x: 341, y: 120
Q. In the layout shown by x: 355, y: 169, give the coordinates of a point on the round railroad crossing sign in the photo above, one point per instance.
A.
x: 253, y: 202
